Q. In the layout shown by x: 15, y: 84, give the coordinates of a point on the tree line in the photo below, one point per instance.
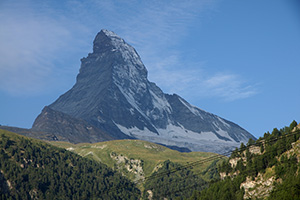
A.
x: 31, y: 169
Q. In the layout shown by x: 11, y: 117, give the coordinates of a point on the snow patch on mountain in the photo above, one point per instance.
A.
x: 191, y: 108
x: 223, y: 122
x: 179, y: 136
x: 160, y: 102
x: 128, y: 53
x: 224, y: 134
x: 130, y: 99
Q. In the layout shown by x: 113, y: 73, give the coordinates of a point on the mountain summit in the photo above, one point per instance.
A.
x: 112, y: 94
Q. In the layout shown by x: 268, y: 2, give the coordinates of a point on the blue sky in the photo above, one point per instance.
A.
x: 237, y: 59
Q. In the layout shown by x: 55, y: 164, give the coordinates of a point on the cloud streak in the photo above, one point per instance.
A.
x: 29, y: 44
x: 229, y: 87
x: 195, y: 82
x: 154, y: 30
x: 39, y: 39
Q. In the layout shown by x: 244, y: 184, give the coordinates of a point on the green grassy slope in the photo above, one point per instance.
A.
x: 119, y: 152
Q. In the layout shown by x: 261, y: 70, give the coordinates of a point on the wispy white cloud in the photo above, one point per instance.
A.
x: 28, y: 46
x: 34, y: 35
x: 35, y: 39
x: 194, y: 82
x: 154, y: 29
x: 229, y: 87
x: 38, y: 40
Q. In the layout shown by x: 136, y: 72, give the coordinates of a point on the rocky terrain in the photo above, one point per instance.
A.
x: 113, y: 99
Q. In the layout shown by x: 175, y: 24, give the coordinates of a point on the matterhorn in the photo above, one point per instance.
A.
x: 113, y: 99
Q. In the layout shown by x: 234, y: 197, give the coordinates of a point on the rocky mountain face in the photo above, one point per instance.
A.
x: 67, y: 128
x: 113, y: 99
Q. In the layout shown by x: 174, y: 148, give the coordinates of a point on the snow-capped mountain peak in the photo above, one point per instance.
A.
x: 113, y: 94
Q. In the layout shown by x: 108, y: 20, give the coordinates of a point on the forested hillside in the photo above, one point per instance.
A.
x: 31, y: 169
x: 34, y: 169
x: 264, y: 169
x: 172, y: 181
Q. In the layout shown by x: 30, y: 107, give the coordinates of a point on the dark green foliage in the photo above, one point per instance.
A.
x: 226, y: 189
x: 212, y: 173
x: 37, y: 170
x: 286, y: 167
x: 286, y: 171
x: 251, y: 141
x: 293, y: 125
x: 173, y: 181
x: 289, y: 189
x: 272, y: 146
x: 242, y: 147
x: 235, y: 153
x: 225, y: 167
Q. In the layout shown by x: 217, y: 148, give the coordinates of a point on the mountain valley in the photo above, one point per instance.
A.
x: 133, y: 169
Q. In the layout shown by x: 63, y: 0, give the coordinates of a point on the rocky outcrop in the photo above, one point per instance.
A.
x: 66, y: 128
x: 258, y: 188
x: 133, y: 166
